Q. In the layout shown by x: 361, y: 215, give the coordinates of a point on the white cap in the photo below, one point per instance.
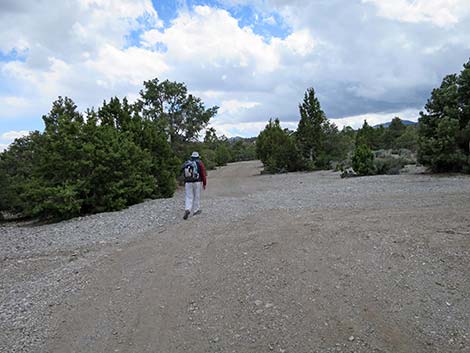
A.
x: 195, y: 155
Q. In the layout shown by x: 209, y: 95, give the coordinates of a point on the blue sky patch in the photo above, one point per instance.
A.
x: 13, y: 55
x: 266, y: 25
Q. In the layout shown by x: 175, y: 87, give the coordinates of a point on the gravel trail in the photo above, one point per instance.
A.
x: 301, y: 262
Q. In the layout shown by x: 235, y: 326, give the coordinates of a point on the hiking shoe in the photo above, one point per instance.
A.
x: 186, y: 214
x: 197, y: 212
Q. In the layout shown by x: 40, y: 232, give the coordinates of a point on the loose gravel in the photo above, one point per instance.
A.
x: 42, y: 265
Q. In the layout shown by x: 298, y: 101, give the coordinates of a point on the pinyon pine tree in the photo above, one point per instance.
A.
x: 444, y: 130
x: 312, y: 125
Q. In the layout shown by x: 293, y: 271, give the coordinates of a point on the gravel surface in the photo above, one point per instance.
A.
x: 40, y: 264
x: 302, y: 262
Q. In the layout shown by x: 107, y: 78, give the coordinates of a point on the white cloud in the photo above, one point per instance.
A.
x: 233, y: 106
x: 205, y: 48
x: 299, y: 42
x: 121, y: 8
x: 441, y: 13
x: 132, y: 65
x: 247, y: 129
x: 76, y: 48
x: 12, y: 102
x: 11, y: 135
x: 376, y: 118
x: 67, y: 28
x: 8, y: 137
x: 45, y: 80
x: 14, y: 106
x: 212, y: 37
x: 210, y: 94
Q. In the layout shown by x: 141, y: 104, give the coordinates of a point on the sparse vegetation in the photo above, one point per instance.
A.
x: 122, y: 153
x: 320, y: 145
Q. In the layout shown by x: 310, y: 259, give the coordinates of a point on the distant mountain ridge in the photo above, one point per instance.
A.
x: 405, y: 122
x: 239, y: 138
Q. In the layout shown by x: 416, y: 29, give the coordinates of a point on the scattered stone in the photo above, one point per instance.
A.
x: 24, y: 248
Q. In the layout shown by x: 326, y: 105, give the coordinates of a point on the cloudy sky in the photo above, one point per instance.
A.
x: 371, y: 59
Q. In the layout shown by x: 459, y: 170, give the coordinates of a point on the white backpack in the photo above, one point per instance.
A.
x: 191, y: 171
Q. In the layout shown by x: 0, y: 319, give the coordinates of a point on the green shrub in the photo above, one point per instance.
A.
x: 78, y: 167
x: 208, y: 158
x: 243, y: 150
x: 222, y: 155
x: 363, y: 160
x: 409, y: 139
x: 277, y: 149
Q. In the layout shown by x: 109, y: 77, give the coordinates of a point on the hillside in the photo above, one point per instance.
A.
x: 405, y: 122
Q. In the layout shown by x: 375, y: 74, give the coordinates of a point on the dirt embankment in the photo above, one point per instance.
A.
x: 303, y: 262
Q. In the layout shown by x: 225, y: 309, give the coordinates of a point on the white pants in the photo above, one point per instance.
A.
x: 193, y: 196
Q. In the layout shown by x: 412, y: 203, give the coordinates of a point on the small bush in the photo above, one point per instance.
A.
x: 389, y: 165
x: 363, y: 161
x: 208, y: 158
x: 392, y: 161
x: 277, y: 150
x: 466, y: 168
x: 222, y: 155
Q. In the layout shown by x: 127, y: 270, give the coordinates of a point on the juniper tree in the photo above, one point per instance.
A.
x: 444, y: 130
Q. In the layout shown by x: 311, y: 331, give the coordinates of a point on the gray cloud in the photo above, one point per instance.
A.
x: 369, y: 63
x: 358, y: 61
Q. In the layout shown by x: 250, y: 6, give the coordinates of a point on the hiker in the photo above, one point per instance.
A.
x: 194, y: 173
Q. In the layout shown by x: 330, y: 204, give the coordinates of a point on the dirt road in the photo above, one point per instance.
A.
x: 301, y: 262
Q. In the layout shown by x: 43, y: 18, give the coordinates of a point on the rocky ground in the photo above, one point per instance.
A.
x: 303, y: 262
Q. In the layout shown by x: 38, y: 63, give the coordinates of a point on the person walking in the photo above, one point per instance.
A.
x: 195, y: 177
